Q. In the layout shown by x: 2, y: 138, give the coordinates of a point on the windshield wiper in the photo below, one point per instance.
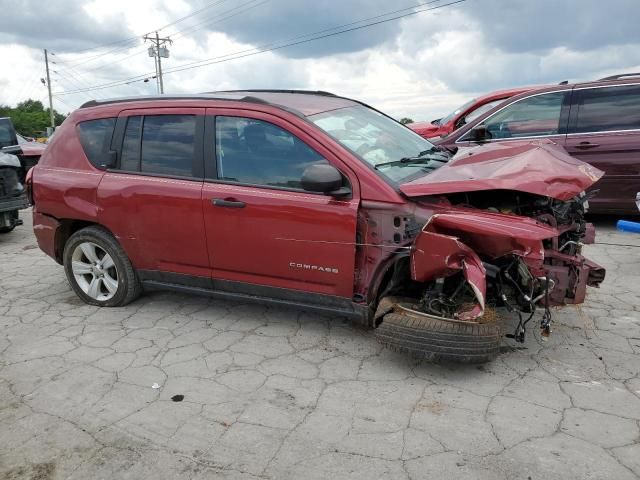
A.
x: 433, y: 154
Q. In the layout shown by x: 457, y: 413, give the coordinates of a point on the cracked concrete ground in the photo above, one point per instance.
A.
x: 274, y: 393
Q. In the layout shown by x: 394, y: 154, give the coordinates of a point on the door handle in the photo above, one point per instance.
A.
x: 229, y: 203
x: 586, y: 145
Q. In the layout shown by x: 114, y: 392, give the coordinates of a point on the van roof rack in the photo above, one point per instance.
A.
x: 620, y: 76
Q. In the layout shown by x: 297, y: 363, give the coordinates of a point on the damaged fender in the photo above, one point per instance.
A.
x: 448, y: 244
x: 435, y: 255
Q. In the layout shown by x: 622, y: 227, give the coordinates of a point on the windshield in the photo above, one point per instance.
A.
x: 456, y: 112
x: 376, y: 139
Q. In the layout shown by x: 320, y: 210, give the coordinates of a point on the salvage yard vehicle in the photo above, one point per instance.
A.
x: 442, y: 127
x: 316, y: 201
x: 12, y: 193
x: 597, y: 122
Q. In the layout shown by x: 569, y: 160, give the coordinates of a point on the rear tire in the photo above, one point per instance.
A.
x: 99, y: 270
x: 440, y: 341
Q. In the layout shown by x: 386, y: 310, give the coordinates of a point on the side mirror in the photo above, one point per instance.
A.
x: 324, y: 178
x: 480, y: 134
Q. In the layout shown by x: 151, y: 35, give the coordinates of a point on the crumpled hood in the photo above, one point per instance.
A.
x: 541, y: 168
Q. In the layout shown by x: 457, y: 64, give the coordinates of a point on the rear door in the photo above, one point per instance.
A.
x: 152, y: 200
x: 604, y: 131
x: 265, y: 233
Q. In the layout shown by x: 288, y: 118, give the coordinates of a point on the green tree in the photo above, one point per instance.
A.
x: 30, y: 118
x: 406, y: 120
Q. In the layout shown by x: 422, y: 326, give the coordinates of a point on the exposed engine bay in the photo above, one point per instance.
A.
x: 495, y: 249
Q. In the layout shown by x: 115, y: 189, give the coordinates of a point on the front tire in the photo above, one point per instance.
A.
x: 98, y: 269
x: 439, y: 340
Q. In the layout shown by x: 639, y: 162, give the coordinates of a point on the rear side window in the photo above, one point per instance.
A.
x: 608, y: 109
x: 159, y: 144
x: 95, y: 137
x: 130, y: 157
x: 168, y: 144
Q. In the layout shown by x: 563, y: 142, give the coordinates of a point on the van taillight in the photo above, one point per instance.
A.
x: 28, y: 185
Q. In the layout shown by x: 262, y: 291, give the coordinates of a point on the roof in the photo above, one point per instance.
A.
x: 509, y: 92
x: 301, y: 102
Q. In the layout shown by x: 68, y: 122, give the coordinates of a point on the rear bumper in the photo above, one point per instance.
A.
x: 45, y: 229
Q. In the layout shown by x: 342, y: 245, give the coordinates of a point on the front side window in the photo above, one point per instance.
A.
x: 608, y: 109
x: 95, y: 137
x: 255, y: 152
x: 530, y: 117
x: 447, y: 118
x: 481, y: 110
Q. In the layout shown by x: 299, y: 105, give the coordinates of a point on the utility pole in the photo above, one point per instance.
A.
x: 158, y: 51
x: 46, y: 62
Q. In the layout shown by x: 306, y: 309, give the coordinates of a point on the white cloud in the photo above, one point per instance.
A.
x: 422, y: 66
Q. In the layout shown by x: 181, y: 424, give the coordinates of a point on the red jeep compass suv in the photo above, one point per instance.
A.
x: 317, y: 201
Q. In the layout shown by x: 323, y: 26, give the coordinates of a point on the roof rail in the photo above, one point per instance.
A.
x: 268, y: 90
x: 618, y: 77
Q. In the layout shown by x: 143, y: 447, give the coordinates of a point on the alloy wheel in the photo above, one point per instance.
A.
x: 94, y: 271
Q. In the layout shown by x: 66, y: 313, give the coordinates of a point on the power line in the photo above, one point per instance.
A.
x: 217, y: 19
x: 317, y: 35
x: 206, y: 7
x: 130, y: 41
x: 258, y: 50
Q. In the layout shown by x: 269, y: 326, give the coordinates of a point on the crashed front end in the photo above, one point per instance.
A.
x: 506, y: 230
x: 478, y: 260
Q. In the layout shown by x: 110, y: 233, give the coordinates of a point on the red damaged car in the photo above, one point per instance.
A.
x: 464, y: 114
x: 316, y: 201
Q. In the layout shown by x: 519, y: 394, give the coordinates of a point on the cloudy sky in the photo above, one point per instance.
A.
x: 422, y: 65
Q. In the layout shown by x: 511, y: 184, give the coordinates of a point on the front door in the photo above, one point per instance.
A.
x: 263, y: 229
x: 604, y: 131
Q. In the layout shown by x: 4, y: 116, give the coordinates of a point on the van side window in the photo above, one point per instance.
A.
x: 255, y: 152
x: 168, y: 144
x: 608, y: 109
x: 95, y: 137
x: 130, y: 156
x: 534, y: 116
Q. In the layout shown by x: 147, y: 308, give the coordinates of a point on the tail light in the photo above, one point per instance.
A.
x: 28, y: 185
